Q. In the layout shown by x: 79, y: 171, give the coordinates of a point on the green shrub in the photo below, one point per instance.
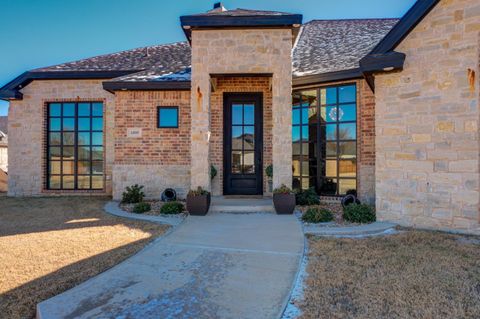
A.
x: 213, y: 172
x: 269, y: 171
x: 142, y: 207
x: 317, y: 215
x: 307, y: 197
x: 133, y: 194
x: 282, y: 190
x: 172, y: 208
x: 198, y: 192
x: 359, y: 213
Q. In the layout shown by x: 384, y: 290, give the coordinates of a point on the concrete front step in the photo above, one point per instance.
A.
x: 231, y: 204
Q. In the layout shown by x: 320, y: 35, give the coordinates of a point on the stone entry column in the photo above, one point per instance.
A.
x: 200, y: 130
x: 282, y: 127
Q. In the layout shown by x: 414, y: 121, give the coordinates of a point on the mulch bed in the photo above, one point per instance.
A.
x: 155, y: 211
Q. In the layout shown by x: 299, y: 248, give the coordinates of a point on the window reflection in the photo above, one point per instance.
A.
x: 75, y: 145
x: 329, y: 163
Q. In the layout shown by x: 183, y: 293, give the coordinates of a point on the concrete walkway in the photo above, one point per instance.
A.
x: 217, y: 266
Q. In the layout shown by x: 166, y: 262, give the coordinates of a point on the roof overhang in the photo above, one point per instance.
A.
x: 192, y: 22
x: 314, y: 79
x: 11, y: 91
x: 113, y: 86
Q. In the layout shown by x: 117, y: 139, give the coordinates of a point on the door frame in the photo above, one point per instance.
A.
x: 228, y: 98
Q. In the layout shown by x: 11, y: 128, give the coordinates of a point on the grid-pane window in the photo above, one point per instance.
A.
x: 75, y: 146
x: 324, y: 134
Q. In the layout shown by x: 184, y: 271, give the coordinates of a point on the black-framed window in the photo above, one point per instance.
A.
x: 75, y: 146
x: 167, y: 117
x: 324, y: 133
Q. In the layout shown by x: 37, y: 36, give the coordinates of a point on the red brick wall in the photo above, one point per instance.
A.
x: 366, y: 124
x: 162, y: 146
x: 238, y: 84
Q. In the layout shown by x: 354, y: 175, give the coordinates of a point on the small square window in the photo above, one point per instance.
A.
x: 167, y: 116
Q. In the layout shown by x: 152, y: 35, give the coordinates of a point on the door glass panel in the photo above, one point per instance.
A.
x: 249, y: 137
x: 248, y: 162
x: 331, y: 168
x: 347, y: 168
x: 237, y: 114
x: 243, y: 138
x: 237, y: 138
x: 237, y: 162
x: 248, y: 114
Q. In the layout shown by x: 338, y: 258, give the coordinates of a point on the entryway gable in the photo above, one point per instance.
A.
x: 227, y: 44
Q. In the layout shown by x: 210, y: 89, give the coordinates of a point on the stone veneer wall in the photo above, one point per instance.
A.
x: 427, y: 144
x: 238, y: 84
x: 27, y: 125
x: 221, y: 51
x: 160, y: 158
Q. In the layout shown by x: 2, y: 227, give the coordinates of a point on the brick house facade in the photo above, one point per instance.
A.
x: 387, y: 107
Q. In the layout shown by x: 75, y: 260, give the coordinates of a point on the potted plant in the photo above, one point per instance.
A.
x: 283, y: 200
x: 269, y: 173
x: 198, y: 202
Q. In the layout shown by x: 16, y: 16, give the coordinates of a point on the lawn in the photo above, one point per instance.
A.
x: 48, y: 245
x: 414, y: 274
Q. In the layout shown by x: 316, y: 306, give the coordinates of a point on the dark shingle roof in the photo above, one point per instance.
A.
x: 335, y: 45
x: 164, y: 58
x: 242, y: 13
x: 323, y: 46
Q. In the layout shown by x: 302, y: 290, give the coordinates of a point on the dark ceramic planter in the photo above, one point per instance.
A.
x: 198, y: 205
x: 284, y: 203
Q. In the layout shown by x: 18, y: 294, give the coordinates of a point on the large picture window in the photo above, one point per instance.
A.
x: 324, y: 133
x: 75, y: 146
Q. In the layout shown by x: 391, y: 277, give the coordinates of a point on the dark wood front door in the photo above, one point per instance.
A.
x: 243, y: 139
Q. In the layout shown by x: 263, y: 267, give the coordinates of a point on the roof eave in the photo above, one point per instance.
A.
x: 204, y: 22
x: 406, y: 24
x: 11, y: 90
x: 113, y: 86
x: 314, y: 79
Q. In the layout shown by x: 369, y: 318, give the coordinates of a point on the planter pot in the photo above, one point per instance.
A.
x: 284, y: 203
x: 198, y: 205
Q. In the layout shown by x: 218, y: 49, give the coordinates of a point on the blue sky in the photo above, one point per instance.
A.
x: 36, y: 33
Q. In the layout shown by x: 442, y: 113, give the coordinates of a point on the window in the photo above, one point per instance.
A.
x: 75, y: 146
x: 167, y: 116
x: 324, y: 134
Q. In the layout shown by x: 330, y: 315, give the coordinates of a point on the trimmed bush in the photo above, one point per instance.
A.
x: 359, y: 213
x: 141, y: 208
x: 307, y: 197
x: 317, y: 215
x: 133, y: 194
x: 213, y: 172
x: 172, y: 208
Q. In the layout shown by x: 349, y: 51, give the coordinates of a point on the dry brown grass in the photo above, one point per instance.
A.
x: 414, y: 274
x: 48, y: 245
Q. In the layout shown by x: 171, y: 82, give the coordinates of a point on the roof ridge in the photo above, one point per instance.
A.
x: 353, y: 19
x: 107, y: 54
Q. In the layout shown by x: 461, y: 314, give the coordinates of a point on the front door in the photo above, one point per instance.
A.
x: 243, y: 137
